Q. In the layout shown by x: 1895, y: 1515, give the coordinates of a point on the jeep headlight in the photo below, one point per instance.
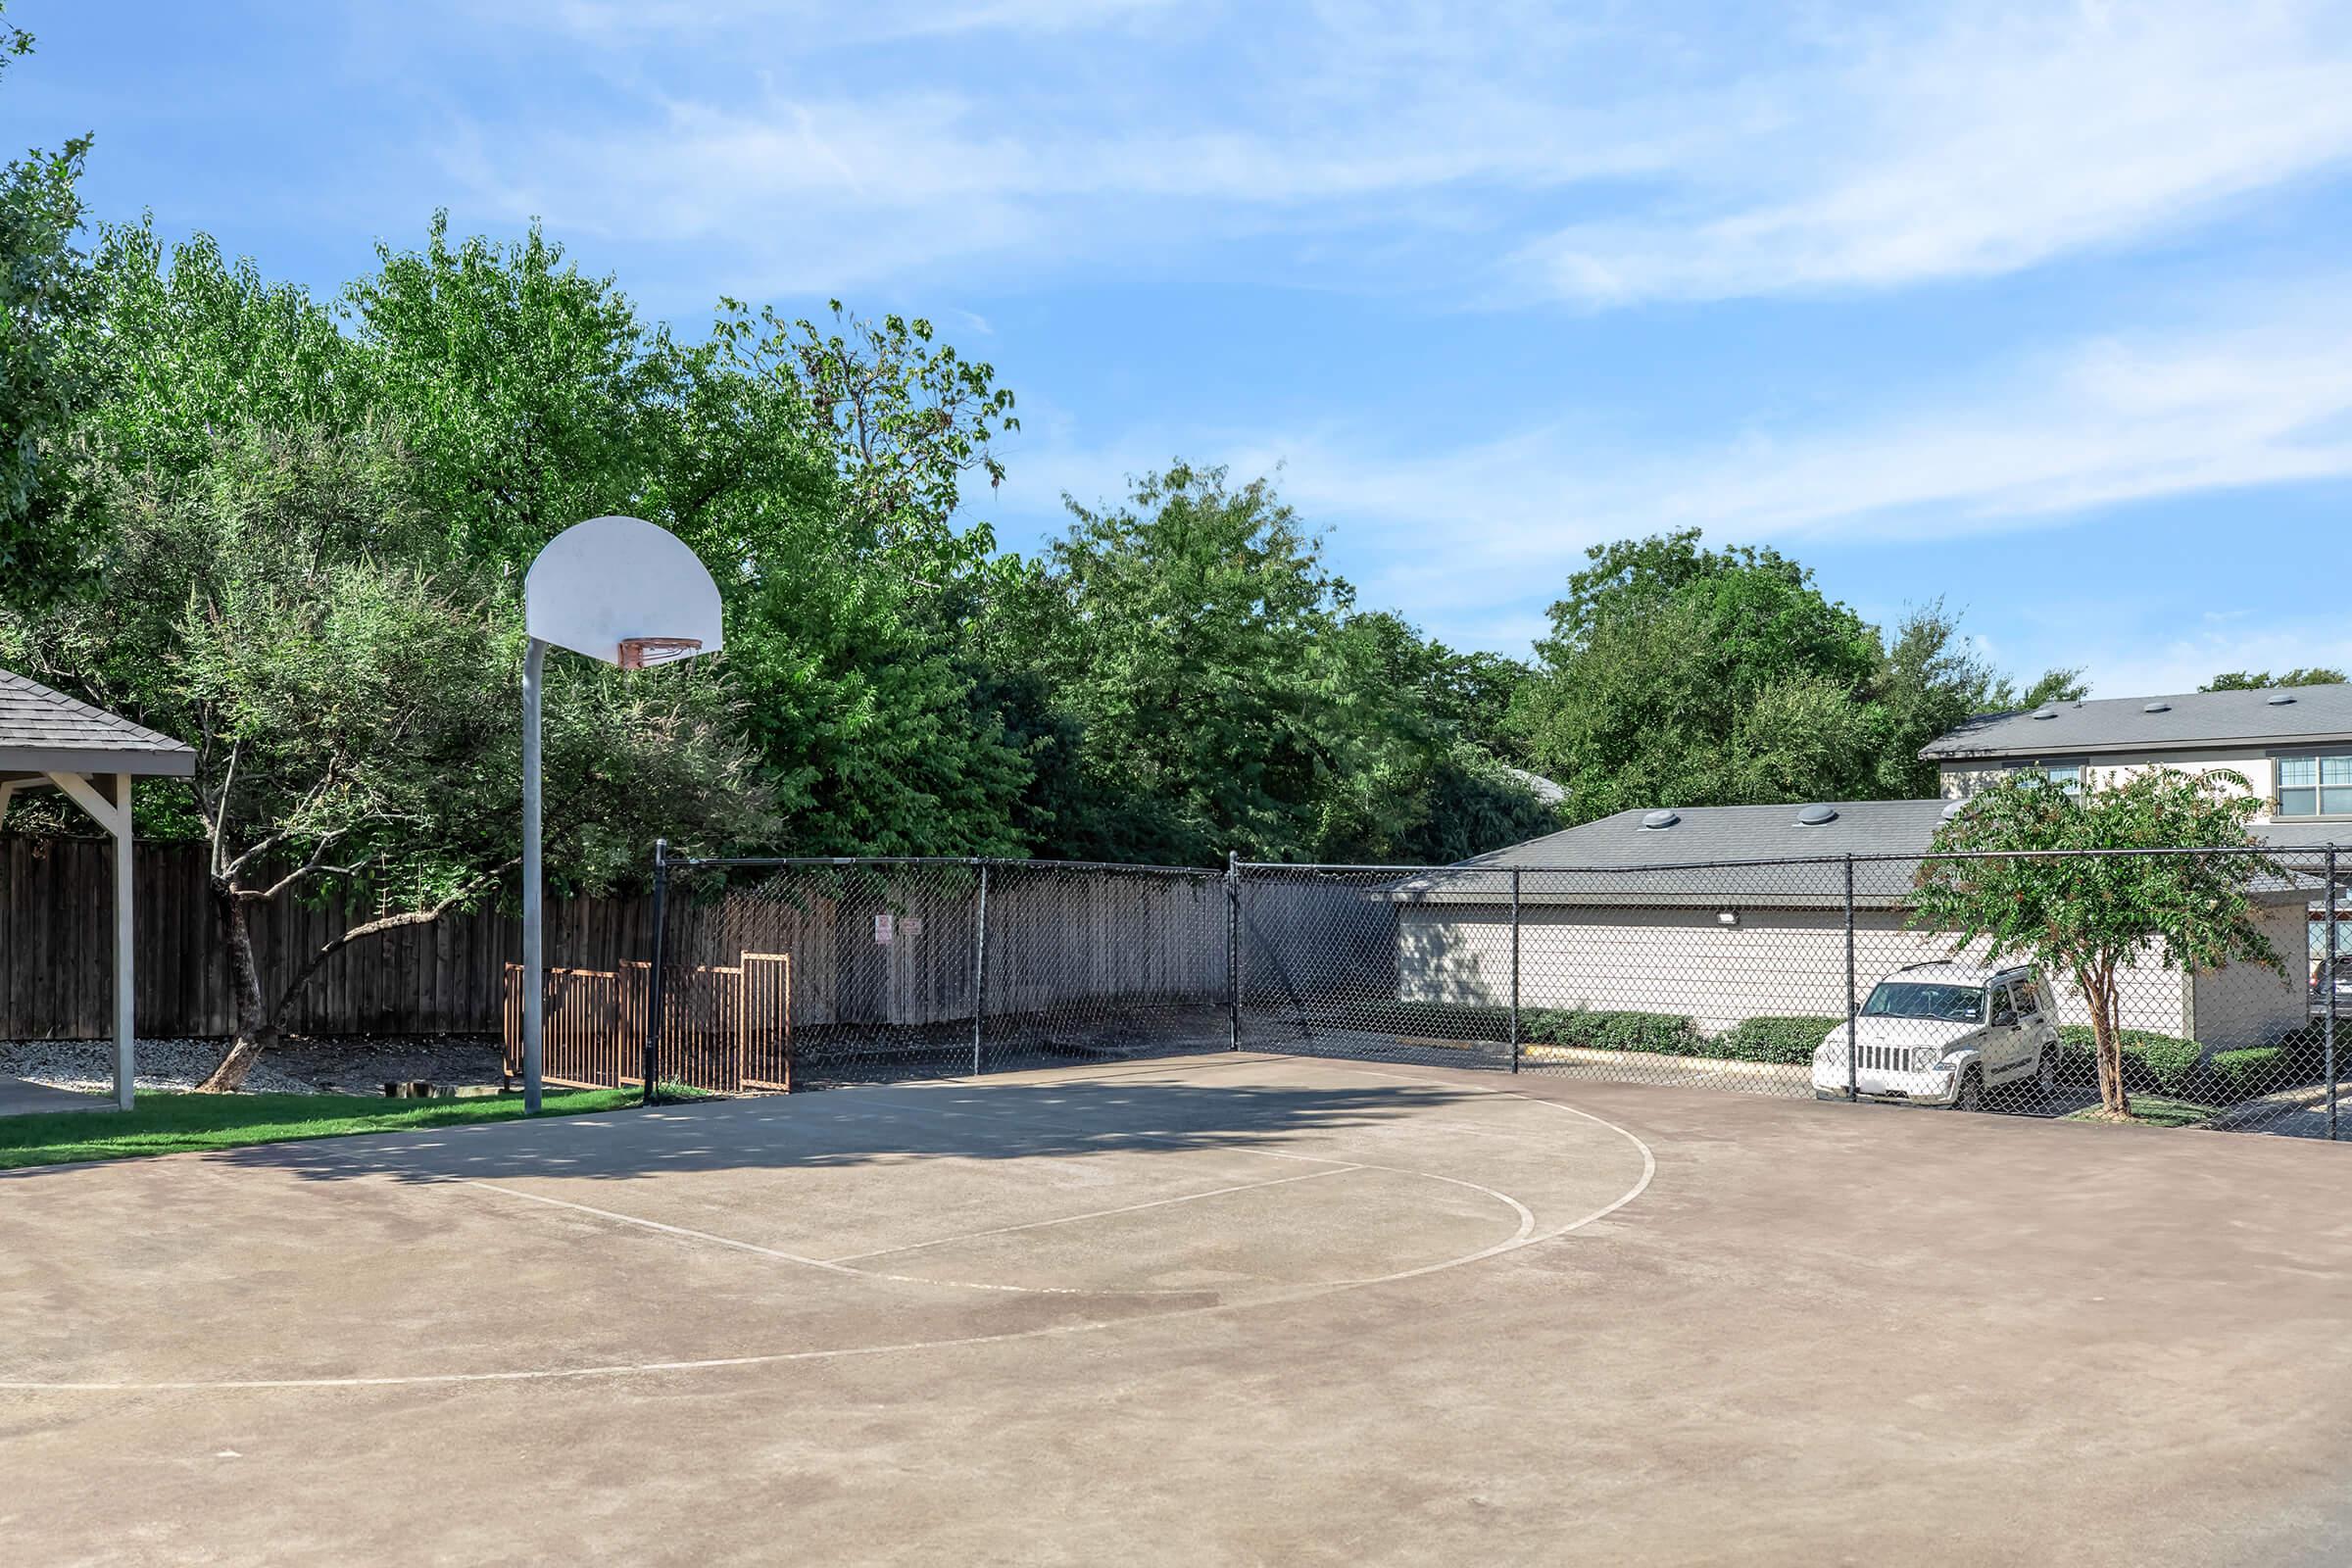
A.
x: 1924, y: 1058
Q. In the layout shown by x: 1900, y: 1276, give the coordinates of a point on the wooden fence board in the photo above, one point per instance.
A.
x: 57, y: 952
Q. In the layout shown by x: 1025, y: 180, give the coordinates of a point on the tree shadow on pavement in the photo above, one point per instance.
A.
x: 850, y: 1127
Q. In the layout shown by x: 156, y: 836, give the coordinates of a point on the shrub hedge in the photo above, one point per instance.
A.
x: 1789, y: 1039
x: 1783, y: 1040
x: 2167, y: 1064
x: 1661, y: 1034
x: 2255, y: 1070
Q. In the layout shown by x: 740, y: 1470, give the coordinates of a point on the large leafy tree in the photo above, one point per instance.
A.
x: 815, y: 467
x: 1681, y: 676
x: 856, y: 590
x: 291, y: 608
x: 197, y: 346
x: 47, y: 315
x: 2090, y: 916
x: 1927, y: 682
x: 1199, y: 680
x: 1183, y: 632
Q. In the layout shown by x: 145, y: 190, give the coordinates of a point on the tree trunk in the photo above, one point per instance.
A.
x: 257, y: 1024
x: 2107, y: 1042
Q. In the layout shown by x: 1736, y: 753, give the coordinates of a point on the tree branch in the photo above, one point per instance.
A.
x: 310, y: 867
x: 220, y: 803
x: 390, y: 922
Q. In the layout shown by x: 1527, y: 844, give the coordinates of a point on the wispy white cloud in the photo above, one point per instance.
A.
x: 623, y: 22
x: 2121, y: 667
x: 2043, y: 440
x: 1986, y: 147
x: 1690, y: 158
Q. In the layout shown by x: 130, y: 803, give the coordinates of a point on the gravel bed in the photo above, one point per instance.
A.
x: 88, y: 1065
x: 301, y: 1067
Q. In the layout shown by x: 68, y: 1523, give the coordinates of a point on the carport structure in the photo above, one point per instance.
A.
x: 48, y: 740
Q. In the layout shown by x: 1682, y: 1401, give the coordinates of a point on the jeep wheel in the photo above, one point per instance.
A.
x: 2045, y: 1077
x: 1972, y: 1091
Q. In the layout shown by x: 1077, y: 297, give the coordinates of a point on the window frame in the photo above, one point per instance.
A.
x: 2046, y: 767
x: 2318, y: 789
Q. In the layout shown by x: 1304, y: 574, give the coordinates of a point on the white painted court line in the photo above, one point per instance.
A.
x: 779, y: 1253
x: 1100, y: 1213
x: 1649, y: 1168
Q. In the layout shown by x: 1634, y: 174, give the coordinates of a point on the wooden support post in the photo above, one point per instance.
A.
x: 115, y: 817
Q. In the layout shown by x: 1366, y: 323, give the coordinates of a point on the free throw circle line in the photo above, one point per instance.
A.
x: 1649, y: 1168
x: 1100, y: 1213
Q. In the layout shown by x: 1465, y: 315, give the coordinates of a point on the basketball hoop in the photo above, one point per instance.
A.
x: 597, y: 589
x: 638, y: 652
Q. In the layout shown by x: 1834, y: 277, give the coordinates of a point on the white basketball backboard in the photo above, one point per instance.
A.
x: 615, y: 581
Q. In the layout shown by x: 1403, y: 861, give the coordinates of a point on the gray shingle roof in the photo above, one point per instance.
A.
x: 46, y: 731
x: 2123, y: 723
x: 1616, y: 861
x: 1726, y: 833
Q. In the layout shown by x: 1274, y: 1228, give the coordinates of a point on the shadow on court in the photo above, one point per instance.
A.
x: 852, y: 1127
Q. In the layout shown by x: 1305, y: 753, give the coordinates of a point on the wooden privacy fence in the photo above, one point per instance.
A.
x: 724, y: 1028
x: 57, y: 952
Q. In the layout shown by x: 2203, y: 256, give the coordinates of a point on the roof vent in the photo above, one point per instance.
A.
x: 1955, y: 808
x: 2157, y: 707
x: 1816, y: 815
x: 2045, y: 712
x: 2281, y: 698
x: 1658, y: 819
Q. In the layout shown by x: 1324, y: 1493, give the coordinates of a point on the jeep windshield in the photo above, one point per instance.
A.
x: 1912, y: 998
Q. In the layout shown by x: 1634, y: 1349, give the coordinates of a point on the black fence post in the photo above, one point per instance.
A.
x: 1232, y: 948
x: 1514, y: 968
x: 979, y: 968
x: 2327, y: 992
x: 654, y: 986
x: 1852, y: 1081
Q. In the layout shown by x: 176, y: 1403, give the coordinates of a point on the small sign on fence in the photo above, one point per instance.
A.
x: 882, y: 929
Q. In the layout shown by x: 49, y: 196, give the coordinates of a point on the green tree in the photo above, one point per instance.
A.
x: 819, y: 465
x: 46, y: 317
x: 1681, y: 676
x: 1676, y: 676
x: 197, y: 347
x: 856, y: 605
x: 1927, y: 681
x: 350, y: 688
x: 1190, y: 638
x: 2088, y: 917
x: 1185, y: 675
x: 2242, y: 680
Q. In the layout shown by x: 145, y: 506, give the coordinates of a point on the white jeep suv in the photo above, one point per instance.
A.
x: 1945, y: 1034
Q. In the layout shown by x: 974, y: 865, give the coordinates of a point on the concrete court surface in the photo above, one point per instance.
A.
x: 20, y: 1097
x: 1224, y: 1309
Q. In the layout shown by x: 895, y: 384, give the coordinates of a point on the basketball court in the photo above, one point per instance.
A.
x: 1219, y: 1307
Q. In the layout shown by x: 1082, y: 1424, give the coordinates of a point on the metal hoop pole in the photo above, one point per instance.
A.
x: 1852, y: 1080
x: 979, y: 968
x: 654, y: 988
x: 2327, y: 994
x: 1514, y: 969
x: 534, y: 972
x: 1233, y: 947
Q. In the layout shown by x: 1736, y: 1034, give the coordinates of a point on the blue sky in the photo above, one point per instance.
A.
x: 2042, y: 310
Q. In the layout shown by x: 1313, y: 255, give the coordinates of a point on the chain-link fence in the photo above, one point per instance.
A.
x: 804, y: 972
x: 1837, y: 976
x: 1832, y: 977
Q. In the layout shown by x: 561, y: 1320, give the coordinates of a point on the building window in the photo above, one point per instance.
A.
x: 2068, y: 777
x: 2314, y: 786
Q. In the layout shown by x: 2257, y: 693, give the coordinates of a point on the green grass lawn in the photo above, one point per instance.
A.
x: 2155, y: 1111
x: 169, y: 1123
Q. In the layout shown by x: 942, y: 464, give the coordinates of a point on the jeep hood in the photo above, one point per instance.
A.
x: 1901, y: 1032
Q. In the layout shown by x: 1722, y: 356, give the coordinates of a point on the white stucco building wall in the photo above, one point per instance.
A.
x: 1685, y: 961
